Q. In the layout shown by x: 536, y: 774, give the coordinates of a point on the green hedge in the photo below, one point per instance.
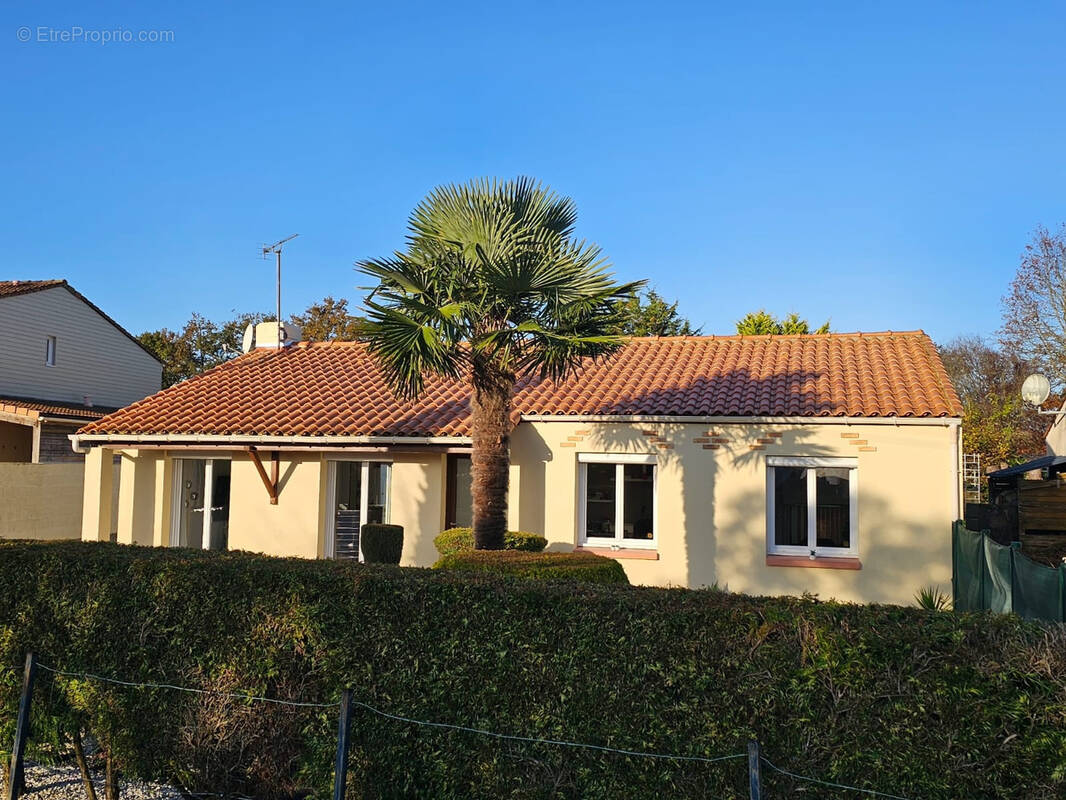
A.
x: 586, y: 567
x: 456, y: 540
x: 381, y: 543
x: 900, y: 700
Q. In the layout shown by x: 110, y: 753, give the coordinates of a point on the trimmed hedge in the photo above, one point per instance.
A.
x: 900, y: 700
x: 456, y: 540
x: 587, y: 567
x: 381, y: 543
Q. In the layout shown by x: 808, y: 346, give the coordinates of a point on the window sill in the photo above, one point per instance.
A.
x: 821, y: 562
x: 620, y: 553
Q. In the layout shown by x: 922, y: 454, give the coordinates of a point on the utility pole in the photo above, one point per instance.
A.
x: 276, y: 249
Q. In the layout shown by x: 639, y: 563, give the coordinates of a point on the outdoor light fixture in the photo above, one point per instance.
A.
x: 1035, y: 390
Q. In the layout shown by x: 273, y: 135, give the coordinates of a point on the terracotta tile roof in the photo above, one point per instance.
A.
x: 11, y: 288
x: 336, y: 388
x: 33, y: 408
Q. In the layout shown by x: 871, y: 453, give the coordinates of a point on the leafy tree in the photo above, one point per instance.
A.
x: 1034, y: 309
x: 200, y: 345
x: 328, y: 321
x: 173, y: 350
x: 761, y: 323
x: 492, y: 286
x: 996, y: 422
x: 651, y: 315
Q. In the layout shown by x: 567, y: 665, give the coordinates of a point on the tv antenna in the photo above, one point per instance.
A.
x: 276, y: 249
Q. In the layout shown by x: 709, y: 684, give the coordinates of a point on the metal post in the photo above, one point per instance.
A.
x: 1062, y: 592
x: 340, y: 770
x: 279, y: 298
x: 22, y: 730
x: 1012, y: 554
x: 754, y: 770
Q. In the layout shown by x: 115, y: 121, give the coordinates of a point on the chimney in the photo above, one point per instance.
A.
x: 264, y: 336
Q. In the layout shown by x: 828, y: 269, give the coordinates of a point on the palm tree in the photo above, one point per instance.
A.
x: 492, y: 287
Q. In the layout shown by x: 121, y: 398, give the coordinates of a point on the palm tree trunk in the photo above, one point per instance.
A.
x: 490, y: 463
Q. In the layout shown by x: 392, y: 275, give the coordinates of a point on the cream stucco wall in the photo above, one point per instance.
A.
x: 417, y: 503
x: 710, y: 505
x: 40, y: 501
x: 711, y: 502
x: 1056, y: 435
x: 144, y: 492
x: 293, y: 527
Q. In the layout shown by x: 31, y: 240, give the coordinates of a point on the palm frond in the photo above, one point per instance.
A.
x: 491, y: 268
x: 408, y: 348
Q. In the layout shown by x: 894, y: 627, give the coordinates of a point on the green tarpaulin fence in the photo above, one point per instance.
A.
x: 989, y: 576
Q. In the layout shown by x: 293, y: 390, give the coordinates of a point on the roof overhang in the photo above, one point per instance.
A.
x: 637, y: 418
x: 1044, y: 462
x: 83, y: 442
x: 32, y: 418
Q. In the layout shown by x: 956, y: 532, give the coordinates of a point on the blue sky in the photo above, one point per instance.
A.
x: 881, y: 165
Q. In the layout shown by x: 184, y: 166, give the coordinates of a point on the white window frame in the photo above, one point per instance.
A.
x: 50, y: 346
x: 209, y: 491
x: 330, y: 548
x: 618, y: 541
x: 812, y: 549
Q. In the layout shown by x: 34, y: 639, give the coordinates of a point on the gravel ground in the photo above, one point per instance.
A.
x: 64, y: 783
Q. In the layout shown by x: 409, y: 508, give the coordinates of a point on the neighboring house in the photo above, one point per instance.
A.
x: 1028, y: 499
x: 765, y: 464
x: 64, y: 363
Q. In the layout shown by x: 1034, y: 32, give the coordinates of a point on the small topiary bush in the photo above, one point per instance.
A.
x: 587, y: 567
x: 457, y: 540
x: 382, y: 544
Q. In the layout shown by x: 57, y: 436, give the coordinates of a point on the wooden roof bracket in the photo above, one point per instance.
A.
x: 270, y: 483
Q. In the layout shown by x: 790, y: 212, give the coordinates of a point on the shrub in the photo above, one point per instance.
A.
x: 456, y: 540
x: 932, y: 598
x: 586, y: 567
x: 888, y: 698
x: 381, y: 544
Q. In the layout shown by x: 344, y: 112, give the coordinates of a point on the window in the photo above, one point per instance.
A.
x: 811, y: 506
x: 50, y: 351
x: 358, y: 493
x: 617, y: 500
x: 201, y: 503
x: 459, y: 504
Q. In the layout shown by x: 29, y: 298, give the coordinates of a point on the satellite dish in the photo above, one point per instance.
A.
x: 1036, y: 390
x: 248, y: 342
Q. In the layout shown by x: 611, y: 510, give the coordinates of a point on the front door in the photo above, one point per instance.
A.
x: 202, y: 489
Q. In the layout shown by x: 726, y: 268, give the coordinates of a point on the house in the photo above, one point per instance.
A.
x: 64, y: 363
x: 763, y: 464
x: 1028, y: 500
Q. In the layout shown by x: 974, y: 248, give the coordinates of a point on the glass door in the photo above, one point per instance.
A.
x: 347, y: 509
x: 219, y: 504
x: 359, y: 493
x: 201, y: 498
